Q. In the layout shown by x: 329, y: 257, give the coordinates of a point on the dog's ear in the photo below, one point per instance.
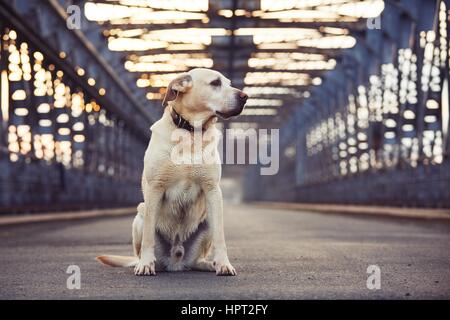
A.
x: 180, y: 84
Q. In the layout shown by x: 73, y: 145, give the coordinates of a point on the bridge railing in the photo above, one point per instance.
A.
x: 63, y: 141
x: 377, y: 130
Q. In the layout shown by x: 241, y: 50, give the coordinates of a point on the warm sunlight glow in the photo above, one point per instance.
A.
x: 324, y: 8
x: 161, y: 39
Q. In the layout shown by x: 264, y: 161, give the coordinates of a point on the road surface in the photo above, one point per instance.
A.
x: 278, y: 254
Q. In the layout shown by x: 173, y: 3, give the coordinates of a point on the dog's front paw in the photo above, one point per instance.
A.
x: 224, y: 268
x: 145, y: 268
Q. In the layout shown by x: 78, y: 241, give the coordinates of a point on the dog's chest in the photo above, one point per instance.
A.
x: 181, y: 195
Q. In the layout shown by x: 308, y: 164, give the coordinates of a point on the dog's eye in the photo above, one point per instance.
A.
x: 216, y: 83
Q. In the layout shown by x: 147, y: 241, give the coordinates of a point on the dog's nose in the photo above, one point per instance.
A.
x: 243, y: 97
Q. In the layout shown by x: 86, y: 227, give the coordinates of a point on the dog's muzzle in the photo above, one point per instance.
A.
x: 241, y: 99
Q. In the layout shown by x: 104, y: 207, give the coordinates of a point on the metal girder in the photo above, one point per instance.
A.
x: 255, y: 118
x: 312, y: 73
x: 240, y: 50
x: 340, y: 121
x: 118, y: 93
x: 231, y: 52
x: 59, y: 181
x: 156, y: 89
x: 216, y: 21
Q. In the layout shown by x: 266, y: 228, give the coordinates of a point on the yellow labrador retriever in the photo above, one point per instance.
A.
x: 181, y: 217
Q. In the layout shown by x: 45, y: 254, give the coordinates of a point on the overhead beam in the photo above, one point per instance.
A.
x: 297, y: 87
x: 313, y: 73
x: 259, y: 119
x: 216, y: 21
x: 331, y: 53
x: 155, y: 89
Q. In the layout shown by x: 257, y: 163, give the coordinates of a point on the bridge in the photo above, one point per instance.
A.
x: 351, y: 98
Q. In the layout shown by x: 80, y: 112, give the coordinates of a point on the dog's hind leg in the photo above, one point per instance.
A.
x: 138, y: 224
x: 203, y: 265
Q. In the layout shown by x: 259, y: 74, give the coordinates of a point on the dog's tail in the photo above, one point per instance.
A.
x: 118, y: 261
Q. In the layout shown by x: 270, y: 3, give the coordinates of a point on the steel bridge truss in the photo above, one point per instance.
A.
x: 71, y: 134
x: 377, y: 130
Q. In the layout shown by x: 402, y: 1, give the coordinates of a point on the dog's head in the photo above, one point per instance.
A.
x: 205, y: 92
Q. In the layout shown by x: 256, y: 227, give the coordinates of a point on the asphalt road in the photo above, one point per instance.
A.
x: 278, y: 254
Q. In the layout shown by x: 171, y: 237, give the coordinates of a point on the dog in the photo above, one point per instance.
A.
x: 180, y: 221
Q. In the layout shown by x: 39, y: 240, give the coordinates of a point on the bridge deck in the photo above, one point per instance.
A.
x: 277, y: 253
